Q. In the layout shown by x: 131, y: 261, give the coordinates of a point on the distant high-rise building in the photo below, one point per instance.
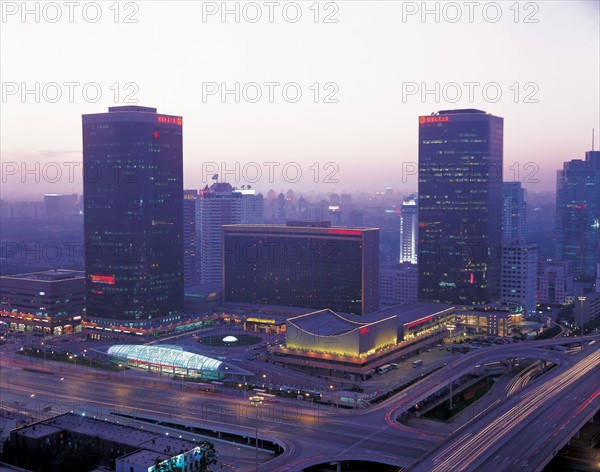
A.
x: 60, y: 206
x: 460, y: 206
x: 133, y: 215
x: 220, y: 205
x: 398, y: 283
x: 519, y: 276
x: 514, y: 229
x: 409, y: 223
x: 190, y: 257
x: 554, y: 282
x: 578, y: 214
x: 302, y: 264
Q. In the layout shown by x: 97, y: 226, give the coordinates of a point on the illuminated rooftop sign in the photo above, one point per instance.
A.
x: 434, y: 119
x: 418, y: 322
x: 173, y: 120
x: 103, y: 279
x: 344, y: 232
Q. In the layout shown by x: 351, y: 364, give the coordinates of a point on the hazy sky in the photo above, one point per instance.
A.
x: 370, y: 59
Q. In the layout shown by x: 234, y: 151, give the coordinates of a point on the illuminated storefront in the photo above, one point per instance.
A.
x: 487, y: 323
x: 48, y: 303
x: 264, y: 325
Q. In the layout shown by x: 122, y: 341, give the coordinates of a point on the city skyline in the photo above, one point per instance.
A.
x: 356, y: 143
x: 300, y: 236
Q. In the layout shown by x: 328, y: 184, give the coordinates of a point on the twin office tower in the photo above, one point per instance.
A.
x: 133, y: 210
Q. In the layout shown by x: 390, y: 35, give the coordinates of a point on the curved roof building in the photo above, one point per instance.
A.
x: 325, y: 331
x: 174, y: 360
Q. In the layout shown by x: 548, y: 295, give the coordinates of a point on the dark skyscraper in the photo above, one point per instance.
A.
x: 578, y: 214
x: 302, y: 264
x: 460, y: 206
x: 133, y: 212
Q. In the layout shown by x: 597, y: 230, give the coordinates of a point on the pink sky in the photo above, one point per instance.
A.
x: 369, y: 135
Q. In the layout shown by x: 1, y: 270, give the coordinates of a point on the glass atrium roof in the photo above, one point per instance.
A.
x: 166, y: 356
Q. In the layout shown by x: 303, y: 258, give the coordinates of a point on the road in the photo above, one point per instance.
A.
x: 308, y: 433
x: 527, y: 429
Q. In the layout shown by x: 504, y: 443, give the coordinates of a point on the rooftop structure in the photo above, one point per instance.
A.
x: 173, y: 360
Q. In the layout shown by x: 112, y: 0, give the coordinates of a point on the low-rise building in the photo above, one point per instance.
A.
x: 487, y: 322
x: 127, y: 449
x: 50, y: 302
x: 341, y: 345
x: 554, y: 282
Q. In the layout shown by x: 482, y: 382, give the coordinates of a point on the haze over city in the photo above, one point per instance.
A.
x: 370, y: 58
x: 300, y: 236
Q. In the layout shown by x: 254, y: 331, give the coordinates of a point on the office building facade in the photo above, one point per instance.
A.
x: 578, y: 214
x: 50, y: 302
x: 514, y: 213
x: 303, y: 265
x: 133, y: 216
x: 398, y: 283
x: 409, y: 224
x: 190, y: 256
x: 218, y: 205
x: 554, y: 282
x: 519, y: 276
x: 460, y: 206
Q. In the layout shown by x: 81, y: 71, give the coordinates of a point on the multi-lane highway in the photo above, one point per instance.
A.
x: 312, y: 434
x: 523, y: 430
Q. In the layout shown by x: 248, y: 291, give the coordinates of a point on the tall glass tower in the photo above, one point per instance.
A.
x: 460, y: 206
x: 578, y: 214
x: 133, y: 216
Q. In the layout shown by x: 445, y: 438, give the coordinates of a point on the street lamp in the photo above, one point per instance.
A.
x: 123, y: 367
x: 85, y: 351
x: 582, y: 300
x: 256, y: 401
x: 44, y: 351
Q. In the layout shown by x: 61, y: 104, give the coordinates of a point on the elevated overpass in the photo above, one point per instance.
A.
x: 366, y: 435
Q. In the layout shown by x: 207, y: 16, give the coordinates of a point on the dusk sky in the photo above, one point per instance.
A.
x: 368, y: 57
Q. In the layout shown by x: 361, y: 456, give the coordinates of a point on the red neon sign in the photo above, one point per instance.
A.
x: 364, y: 330
x: 433, y: 119
x: 344, y: 231
x: 172, y: 120
x: 104, y: 279
x: 418, y: 322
